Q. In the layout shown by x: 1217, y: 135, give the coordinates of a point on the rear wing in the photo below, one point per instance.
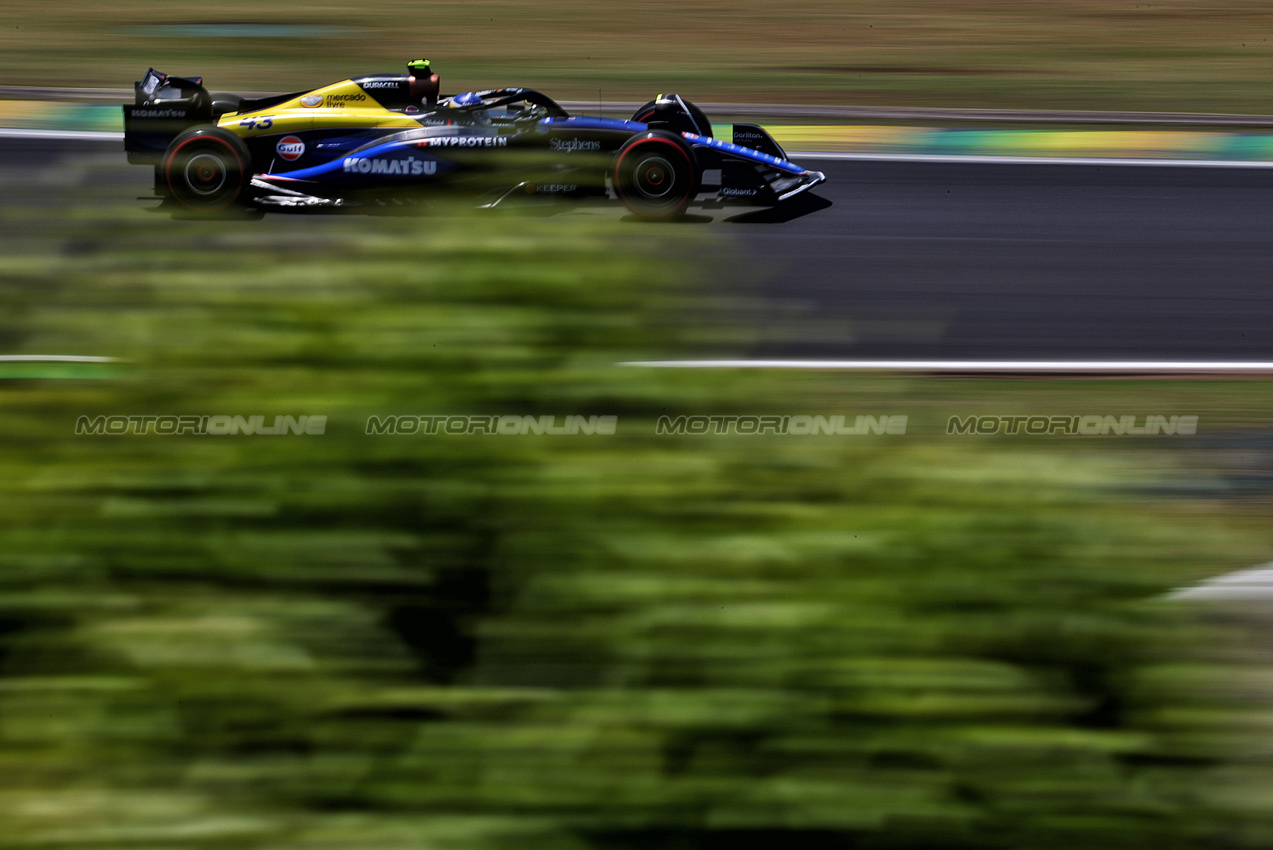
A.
x: 163, y: 107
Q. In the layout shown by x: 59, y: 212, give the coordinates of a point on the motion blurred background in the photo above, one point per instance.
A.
x: 628, y: 641
x: 1090, y: 54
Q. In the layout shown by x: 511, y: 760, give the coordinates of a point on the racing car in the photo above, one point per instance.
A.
x: 382, y: 136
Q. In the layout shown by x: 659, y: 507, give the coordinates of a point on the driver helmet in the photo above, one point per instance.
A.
x: 471, y: 100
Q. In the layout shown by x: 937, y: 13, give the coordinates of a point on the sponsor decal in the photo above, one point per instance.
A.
x: 339, y: 101
x: 160, y: 113
x: 574, y: 145
x: 467, y: 142
x: 381, y: 84
x: 555, y: 188
x: 290, y: 148
x: 409, y: 167
x: 312, y: 100
x: 737, y: 193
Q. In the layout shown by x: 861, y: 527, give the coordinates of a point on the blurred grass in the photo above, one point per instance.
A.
x: 1087, y: 54
x: 627, y: 641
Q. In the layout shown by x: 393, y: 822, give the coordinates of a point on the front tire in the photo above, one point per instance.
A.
x: 667, y: 114
x: 206, y: 169
x: 655, y: 175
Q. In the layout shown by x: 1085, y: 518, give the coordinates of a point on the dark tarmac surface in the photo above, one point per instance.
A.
x: 941, y: 260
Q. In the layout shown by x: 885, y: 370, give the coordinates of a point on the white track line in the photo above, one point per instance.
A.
x: 1026, y: 160
x: 1255, y: 584
x: 985, y: 366
x: 77, y: 135
x: 54, y: 358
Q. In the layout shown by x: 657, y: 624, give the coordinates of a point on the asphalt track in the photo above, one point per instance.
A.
x: 930, y: 260
x: 964, y: 261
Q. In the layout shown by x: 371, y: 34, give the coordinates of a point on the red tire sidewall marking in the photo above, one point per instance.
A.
x: 618, y: 167
x: 192, y: 139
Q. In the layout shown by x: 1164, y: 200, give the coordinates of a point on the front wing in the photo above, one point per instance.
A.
x: 758, y: 173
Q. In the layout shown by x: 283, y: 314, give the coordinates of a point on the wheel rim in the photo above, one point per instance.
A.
x: 655, y: 178
x: 206, y: 175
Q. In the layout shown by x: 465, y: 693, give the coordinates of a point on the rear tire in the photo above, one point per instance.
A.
x: 206, y: 169
x: 655, y: 175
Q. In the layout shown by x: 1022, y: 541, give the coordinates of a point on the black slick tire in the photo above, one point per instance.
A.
x: 206, y: 169
x: 655, y: 175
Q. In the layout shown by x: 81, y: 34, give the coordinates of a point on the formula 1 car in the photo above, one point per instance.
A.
x: 393, y: 135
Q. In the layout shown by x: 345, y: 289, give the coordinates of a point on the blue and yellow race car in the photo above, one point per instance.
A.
x: 394, y: 135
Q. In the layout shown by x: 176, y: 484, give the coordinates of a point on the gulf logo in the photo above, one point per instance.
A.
x: 290, y: 148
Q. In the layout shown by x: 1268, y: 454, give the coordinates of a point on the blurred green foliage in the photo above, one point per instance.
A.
x: 630, y: 641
